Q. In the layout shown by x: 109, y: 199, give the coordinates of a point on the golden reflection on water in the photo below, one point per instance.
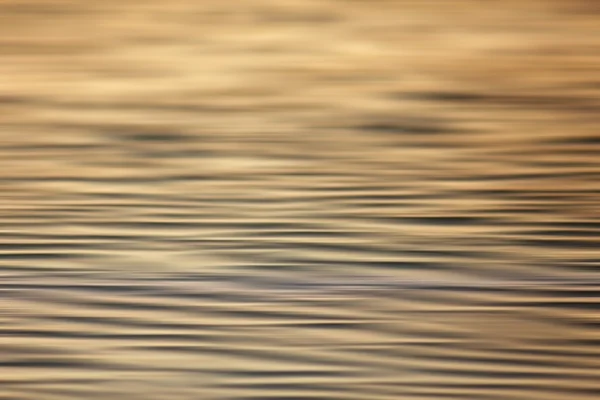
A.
x: 299, y: 200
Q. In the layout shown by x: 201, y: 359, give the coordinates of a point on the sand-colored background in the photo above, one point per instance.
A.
x: 328, y: 199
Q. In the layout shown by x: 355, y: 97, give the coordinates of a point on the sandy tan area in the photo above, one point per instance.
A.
x: 296, y: 199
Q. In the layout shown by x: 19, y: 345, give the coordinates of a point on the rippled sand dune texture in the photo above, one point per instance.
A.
x: 296, y: 199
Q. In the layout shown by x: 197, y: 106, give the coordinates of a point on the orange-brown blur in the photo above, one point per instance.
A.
x: 299, y: 199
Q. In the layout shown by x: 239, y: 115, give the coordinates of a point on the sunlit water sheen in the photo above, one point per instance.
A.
x: 284, y: 200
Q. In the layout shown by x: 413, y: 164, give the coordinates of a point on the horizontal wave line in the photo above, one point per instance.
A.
x: 346, y: 284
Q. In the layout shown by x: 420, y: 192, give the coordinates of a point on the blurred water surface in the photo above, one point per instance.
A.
x: 283, y: 200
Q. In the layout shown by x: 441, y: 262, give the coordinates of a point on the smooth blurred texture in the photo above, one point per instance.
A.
x: 296, y: 199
